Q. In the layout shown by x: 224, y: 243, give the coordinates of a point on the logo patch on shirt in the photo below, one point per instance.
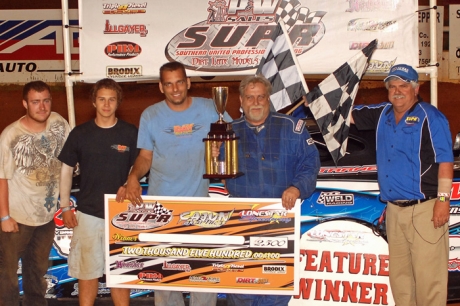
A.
x: 299, y: 126
x: 183, y: 130
x: 120, y: 148
x: 411, y: 120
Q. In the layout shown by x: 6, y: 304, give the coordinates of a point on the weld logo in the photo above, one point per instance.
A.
x: 143, y: 216
x: 120, y: 148
x: 251, y: 280
x: 380, y: 66
x: 150, y: 276
x: 336, y: 198
x: 129, y: 8
x: 359, y: 45
x: 123, y: 71
x: 140, y: 29
x: 236, y: 33
x: 364, y: 24
x: 122, y: 50
x: 204, y: 218
x: 270, y: 269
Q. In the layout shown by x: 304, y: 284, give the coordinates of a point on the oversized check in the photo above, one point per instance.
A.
x: 225, y: 245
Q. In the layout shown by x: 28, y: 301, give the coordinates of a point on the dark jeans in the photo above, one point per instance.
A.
x: 257, y: 300
x: 32, y: 244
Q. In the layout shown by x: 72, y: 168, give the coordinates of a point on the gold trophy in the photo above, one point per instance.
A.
x: 221, y: 133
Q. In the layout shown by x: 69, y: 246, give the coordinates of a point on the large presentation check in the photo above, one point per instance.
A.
x: 225, y: 245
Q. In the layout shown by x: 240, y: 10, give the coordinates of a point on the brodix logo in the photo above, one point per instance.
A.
x: 236, y: 33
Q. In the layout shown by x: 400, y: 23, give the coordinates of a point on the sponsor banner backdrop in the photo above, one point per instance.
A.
x: 130, y: 41
x: 454, y: 42
x: 32, y: 46
x: 424, y: 16
x: 203, y: 244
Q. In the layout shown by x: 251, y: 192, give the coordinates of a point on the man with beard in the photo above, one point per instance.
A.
x: 278, y: 158
x: 29, y: 189
x: 415, y: 170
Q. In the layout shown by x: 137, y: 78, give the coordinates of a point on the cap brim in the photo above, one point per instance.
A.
x: 396, y: 76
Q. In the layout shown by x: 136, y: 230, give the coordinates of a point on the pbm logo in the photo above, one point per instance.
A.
x: 237, y: 32
x: 123, y: 50
x: 150, y: 276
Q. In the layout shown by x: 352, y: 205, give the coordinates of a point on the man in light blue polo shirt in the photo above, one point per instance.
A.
x: 415, y: 170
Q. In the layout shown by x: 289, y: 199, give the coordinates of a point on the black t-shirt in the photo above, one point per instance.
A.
x: 105, y: 156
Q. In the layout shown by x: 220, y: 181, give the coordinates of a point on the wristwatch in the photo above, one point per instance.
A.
x: 64, y: 209
x: 443, y: 198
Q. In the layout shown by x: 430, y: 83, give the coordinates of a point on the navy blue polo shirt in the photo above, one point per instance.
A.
x: 408, y: 153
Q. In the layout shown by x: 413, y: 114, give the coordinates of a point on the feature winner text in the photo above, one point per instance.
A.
x: 360, y: 273
x: 197, y: 253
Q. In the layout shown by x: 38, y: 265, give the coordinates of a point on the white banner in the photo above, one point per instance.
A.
x: 32, y: 46
x: 454, y: 42
x: 130, y: 41
x: 424, y: 16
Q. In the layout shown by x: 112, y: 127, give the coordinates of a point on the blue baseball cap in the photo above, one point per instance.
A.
x: 403, y: 72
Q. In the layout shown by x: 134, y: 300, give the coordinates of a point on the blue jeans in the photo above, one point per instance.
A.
x: 32, y: 244
x: 257, y: 300
x: 175, y: 298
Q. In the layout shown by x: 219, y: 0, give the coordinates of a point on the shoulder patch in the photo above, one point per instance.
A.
x: 300, y: 125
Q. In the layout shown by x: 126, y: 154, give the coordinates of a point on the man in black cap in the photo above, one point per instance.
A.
x: 415, y: 170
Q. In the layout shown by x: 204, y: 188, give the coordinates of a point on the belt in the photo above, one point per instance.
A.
x: 406, y: 203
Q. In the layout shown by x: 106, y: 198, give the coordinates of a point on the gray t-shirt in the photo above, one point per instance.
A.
x: 29, y: 162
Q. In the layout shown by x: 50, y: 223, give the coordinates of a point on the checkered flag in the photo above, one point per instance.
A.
x: 288, y: 11
x: 332, y: 100
x: 158, y: 209
x: 279, y: 65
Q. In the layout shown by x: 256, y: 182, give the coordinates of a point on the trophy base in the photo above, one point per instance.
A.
x: 222, y: 176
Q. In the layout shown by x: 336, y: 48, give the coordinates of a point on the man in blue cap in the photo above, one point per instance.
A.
x: 415, y: 170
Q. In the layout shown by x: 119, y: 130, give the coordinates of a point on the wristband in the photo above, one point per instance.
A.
x: 4, y: 218
x: 64, y: 209
x: 444, y: 185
